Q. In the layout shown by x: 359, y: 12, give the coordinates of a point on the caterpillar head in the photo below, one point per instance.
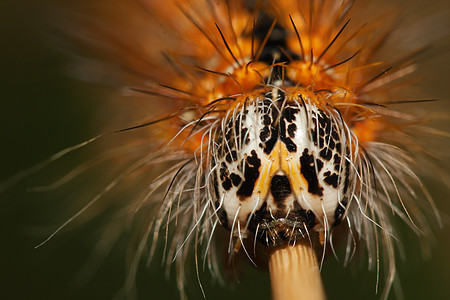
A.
x: 281, y: 167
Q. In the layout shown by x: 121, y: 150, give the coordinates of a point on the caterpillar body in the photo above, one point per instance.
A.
x: 276, y: 120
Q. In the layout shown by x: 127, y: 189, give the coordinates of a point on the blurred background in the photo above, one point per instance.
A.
x: 45, y: 108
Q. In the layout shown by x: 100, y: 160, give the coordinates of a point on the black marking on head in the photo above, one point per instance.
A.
x: 321, y: 132
x: 251, y: 174
x: 266, y: 119
x: 324, y: 120
x: 335, y: 135
x: 308, y: 170
x: 289, y: 114
x: 225, y: 176
x: 290, y: 145
x: 337, y: 162
x: 326, y: 153
x: 231, y: 156
x: 314, y: 135
x: 319, y: 164
x: 244, y: 136
x: 226, y: 184
x: 264, y: 134
x: 331, y: 179
x: 331, y: 144
x: 223, y: 170
x: 292, y: 128
x: 321, y: 142
x: 235, y: 179
x: 270, y: 144
x: 280, y: 187
x: 337, y: 159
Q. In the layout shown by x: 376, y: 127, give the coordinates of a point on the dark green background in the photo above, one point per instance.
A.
x: 44, y: 110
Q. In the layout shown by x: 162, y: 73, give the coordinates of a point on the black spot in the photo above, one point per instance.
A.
x: 289, y: 114
x: 280, y: 187
x: 337, y: 159
x: 337, y: 162
x: 238, y: 122
x: 266, y: 120
x: 251, y: 174
x: 270, y: 131
x: 321, y: 142
x: 264, y: 134
x: 244, y: 136
x: 324, y: 120
x: 326, y: 153
x: 335, y: 135
x: 235, y: 179
x: 331, y: 144
x: 225, y: 176
x: 314, y: 136
x: 223, y: 171
x: 291, y: 147
x: 264, y: 108
x: 308, y: 170
x: 292, y: 128
x: 270, y: 144
x: 226, y: 184
x: 253, y: 159
x: 231, y: 156
x: 319, y: 165
x: 331, y: 179
x: 321, y: 132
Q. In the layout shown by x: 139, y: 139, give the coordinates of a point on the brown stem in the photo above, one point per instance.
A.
x: 294, y: 273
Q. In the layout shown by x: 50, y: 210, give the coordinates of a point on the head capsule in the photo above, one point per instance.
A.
x: 281, y: 166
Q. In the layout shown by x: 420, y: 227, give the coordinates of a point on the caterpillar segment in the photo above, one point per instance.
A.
x: 282, y: 166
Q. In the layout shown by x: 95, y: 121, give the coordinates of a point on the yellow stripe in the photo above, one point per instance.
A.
x: 280, y: 159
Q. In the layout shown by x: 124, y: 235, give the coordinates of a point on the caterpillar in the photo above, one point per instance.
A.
x: 271, y: 121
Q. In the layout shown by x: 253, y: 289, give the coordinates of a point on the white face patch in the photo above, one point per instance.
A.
x: 281, y: 167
